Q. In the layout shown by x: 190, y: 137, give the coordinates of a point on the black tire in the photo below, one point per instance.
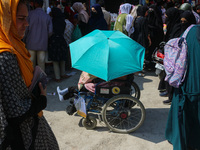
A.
x: 135, y: 90
x: 121, y: 117
x: 89, y: 123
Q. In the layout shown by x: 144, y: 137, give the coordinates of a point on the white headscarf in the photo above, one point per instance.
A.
x: 125, y: 8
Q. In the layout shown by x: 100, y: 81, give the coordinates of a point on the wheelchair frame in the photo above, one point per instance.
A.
x: 122, y: 113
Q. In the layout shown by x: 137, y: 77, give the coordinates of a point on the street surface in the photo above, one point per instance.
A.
x: 72, y: 136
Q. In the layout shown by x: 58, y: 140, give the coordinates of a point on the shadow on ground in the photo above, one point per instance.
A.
x: 153, y: 129
x: 141, y: 80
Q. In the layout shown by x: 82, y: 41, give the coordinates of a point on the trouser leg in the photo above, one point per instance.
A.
x: 33, y: 56
x: 62, y: 68
x: 56, y: 69
x: 41, y: 59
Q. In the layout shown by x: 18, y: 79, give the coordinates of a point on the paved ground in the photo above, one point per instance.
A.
x: 71, y: 136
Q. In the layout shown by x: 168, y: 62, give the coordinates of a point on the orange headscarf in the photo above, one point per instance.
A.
x: 10, y: 40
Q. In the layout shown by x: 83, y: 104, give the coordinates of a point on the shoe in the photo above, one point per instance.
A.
x: 60, y: 96
x: 162, y: 90
x: 167, y: 102
x: 57, y: 80
x: 71, y: 109
x: 163, y: 94
x: 65, y: 77
x: 139, y: 74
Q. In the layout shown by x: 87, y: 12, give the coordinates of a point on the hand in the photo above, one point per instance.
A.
x: 42, y: 90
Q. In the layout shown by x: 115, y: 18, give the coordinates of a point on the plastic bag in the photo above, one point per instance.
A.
x: 76, y: 34
x: 79, y: 103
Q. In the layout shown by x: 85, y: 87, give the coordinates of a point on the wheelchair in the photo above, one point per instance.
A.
x: 118, y: 107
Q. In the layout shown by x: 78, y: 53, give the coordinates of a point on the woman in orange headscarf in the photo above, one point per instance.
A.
x: 20, y: 126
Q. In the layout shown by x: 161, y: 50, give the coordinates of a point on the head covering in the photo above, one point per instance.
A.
x: 10, y: 40
x: 97, y: 20
x: 58, y: 21
x: 154, y: 16
x: 173, y: 15
x: 185, y: 6
x: 99, y: 10
x: 155, y: 28
x: 83, y: 15
x: 173, y: 23
x: 141, y: 10
x: 125, y: 8
x: 189, y: 16
x: 190, y: 19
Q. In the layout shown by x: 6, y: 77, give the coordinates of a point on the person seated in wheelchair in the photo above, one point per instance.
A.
x: 87, y: 83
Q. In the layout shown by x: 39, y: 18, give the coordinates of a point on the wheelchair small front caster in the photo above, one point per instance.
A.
x: 89, y: 122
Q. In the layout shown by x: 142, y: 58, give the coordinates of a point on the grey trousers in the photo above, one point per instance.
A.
x: 59, y: 68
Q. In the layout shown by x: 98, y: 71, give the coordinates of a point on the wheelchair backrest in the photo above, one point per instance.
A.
x: 112, y: 88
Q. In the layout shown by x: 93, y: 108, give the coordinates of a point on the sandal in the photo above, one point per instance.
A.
x: 65, y: 77
x: 57, y: 80
x: 139, y: 74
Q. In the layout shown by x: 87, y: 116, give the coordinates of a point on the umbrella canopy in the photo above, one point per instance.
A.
x: 107, y: 54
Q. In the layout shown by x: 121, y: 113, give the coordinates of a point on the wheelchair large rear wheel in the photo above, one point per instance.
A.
x: 121, y: 116
x: 135, y: 90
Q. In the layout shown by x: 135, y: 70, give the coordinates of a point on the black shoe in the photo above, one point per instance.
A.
x: 167, y: 102
x: 71, y: 109
x: 163, y: 94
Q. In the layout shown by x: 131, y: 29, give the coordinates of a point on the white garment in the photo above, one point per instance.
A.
x: 48, y: 10
x: 134, y: 11
x: 129, y: 23
x: 125, y: 8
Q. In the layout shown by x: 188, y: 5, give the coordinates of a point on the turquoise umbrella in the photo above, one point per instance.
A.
x: 107, y: 54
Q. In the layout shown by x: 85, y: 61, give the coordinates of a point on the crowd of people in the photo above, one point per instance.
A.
x: 144, y: 24
x: 29, y: 35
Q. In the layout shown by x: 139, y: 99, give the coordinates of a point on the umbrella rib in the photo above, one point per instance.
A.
x: 88, y: 51
x: 88, y: 48
x: 128, y: 51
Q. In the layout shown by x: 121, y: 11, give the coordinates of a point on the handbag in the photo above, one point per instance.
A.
x: 76, y: 34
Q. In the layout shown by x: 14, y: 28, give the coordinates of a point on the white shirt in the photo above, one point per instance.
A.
x: 48, y: 10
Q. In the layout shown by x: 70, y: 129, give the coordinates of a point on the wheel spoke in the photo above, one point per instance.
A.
x: 115, y: 118
x: 123, y: 114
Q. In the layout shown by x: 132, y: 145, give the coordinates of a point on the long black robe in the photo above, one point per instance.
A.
x: 141, y: 32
